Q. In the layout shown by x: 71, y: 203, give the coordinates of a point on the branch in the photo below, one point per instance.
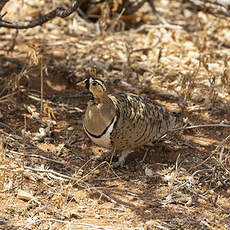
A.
x: 131, y: 7
x: 2, y: 4
x: 213, y: 6
x: 58, y: 12
x: 225, y: 3
x: 202, y: 126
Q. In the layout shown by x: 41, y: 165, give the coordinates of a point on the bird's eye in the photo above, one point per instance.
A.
x: 94, y: 83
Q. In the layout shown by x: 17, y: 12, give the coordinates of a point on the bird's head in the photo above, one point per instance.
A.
x: 95, y: 86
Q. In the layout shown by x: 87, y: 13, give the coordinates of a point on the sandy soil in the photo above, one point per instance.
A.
x: 48, y: 179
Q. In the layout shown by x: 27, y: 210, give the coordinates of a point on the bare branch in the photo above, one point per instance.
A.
x: 225, y: 3
x: 133, y: 7
x: 58, y: 12
x: 213, y: 6
x: 13, y: 42
x: 2, y: 4
x: 203, y: 126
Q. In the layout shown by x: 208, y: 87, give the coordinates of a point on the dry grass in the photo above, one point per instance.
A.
x: 48, y: 179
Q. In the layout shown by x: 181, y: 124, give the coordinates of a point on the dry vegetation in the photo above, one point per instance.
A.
x: 48, y: 179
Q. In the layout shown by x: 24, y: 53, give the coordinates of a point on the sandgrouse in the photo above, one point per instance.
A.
x: 123, y: 121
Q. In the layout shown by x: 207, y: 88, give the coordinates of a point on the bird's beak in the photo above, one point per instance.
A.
x: 81, y: 83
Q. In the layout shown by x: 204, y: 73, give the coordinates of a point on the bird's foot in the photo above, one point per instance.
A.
x: 121, y: 161
x: 109, y: 157
x: 105, y: 156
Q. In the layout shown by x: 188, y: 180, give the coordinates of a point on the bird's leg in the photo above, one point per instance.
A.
x: 121, y: 160
x: 105, y: 156
x: 108, y: 156
x: 112, y: 155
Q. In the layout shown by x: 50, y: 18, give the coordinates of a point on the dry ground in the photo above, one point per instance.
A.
x: 48, y: 179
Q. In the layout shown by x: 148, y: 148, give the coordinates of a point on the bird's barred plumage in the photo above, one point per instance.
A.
x: 140, y: 121
x: 124, y: 121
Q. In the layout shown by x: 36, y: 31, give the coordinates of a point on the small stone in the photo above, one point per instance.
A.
x: 24, y: 195
x: 148, y: 172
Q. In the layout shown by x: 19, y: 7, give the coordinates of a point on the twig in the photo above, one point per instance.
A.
x: 152, y: 5
x: 60, y: 176
x: 202, y: 126
x: 92, y: 226
x: 2, y: 162
x: 34, y: 97
x: 58, y: 12
x: 49, y: 171
x: 217, y: 6
x: 168, y: 26
x: 104, y: 162
x: 42, y: 84
x: 8, y: 127
x: 221, y: 147
x: 11, y: 49
x: 13, y: 137
x: 186, y: 182
x: 68, y: 177
x: 224, y: 3
x: 204, y: 161
x: 159, y: 38
x: 132, y: 8
x: 2, y: 4
x: 34, y: 156
x: 5, y: 98
x: 106, y: 196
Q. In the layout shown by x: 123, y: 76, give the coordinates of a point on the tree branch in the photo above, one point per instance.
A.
x: 58, y: 12
x: 225, y: 3
x: 213, y: 6
x: 2, y: 4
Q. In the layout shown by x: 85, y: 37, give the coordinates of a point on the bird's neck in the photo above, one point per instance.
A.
x: 97, y: 99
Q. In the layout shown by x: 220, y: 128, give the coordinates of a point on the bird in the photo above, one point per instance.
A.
x: 123, y: 121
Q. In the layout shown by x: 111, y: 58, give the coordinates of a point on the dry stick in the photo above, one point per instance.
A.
x: 117, y: 19
x: 60, y: 176
x: 186, y: 182
x: 13, y: 137
x: 35, y: 156
x: 162, y: 20
x: 202, y: 126
x: 167, y: 26
x: 24, y: 141
x: 2, y: 162
x: 68, y: 223
x: 58, y: 12
x: 6, y: 126
x: 42, y: 85
x: 5, y: 98
x: 220, y: 6
x: 11, y: 49
x: 176, y: 173
x: 110, y: 162
x: 34, y: 97
x: 102, y: 194
x: 104, y: 162
x: 49, y: 171
x: 129, y: 10
x: 68, y: 177
x: 106, y: 196
x: 221, y: 154
x: 24, y: 149
x: 2, y: 4
x: 221, y: 145
x: 224, y: 3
